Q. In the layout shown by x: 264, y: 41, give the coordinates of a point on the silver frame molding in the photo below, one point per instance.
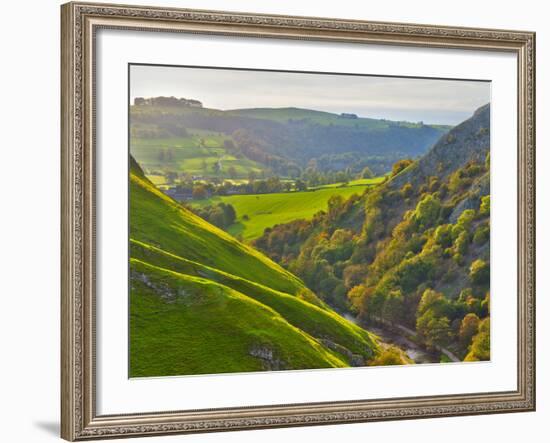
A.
x: 79, y: 22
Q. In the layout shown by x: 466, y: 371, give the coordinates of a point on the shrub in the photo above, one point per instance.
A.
x: 461, y: 243
x: 485, y: 206
x: 400, y: 166
x: 482, y: 234
x: 480, y: 272
x: 427, y: 211
x: 466, y: 218
x: 442, y: 235
x: 390, y: 356
x: 468, y: 328
x: 481, y: 344
x: 406, y: 190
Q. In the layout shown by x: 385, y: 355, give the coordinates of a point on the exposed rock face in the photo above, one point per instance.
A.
x: 167, y: 293
x: 468, y: 141
x: 269, y: 361
x: 473, y: 200
x: 354, y: 359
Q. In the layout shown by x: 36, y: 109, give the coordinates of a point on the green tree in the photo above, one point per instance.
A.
x: 485, y: 206
x: 393, y: 306
x: 427, y: 211
x: 480, y: 272
x: 481, y: 344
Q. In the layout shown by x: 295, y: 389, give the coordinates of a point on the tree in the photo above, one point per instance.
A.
x: 366, y: 173
x: 480, y: 272
x: 300, y: 185
x: 482, y: 234
x: 436, y: 331
x: 335, y: 205
x: 406, y: 190
x: 199, y: 192
x: 400, y: 166
x: 468, y: 328
x: 427, y: 211
x: 390, y: 356
x: 485, y: 206
x: 354, y: 275
x: 232, y: 172
x: 356, y: 295
x: 466, y: 218
x: 229, y: 213
x: 481, y: 344
x: 393, y: 306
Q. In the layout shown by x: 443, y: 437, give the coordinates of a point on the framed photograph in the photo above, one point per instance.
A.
x: 283, y: 221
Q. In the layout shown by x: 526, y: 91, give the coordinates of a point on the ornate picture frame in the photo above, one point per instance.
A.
x: 80, y: 23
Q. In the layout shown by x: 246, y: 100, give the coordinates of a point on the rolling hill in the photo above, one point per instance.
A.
x: 202, y: 302
x: 282, y: 140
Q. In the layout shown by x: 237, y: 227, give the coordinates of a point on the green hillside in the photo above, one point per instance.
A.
x: 202, y: 302
x: 197, y: 153
x: 318, y: 117
x: 279, y: 140
x: 257, y: 212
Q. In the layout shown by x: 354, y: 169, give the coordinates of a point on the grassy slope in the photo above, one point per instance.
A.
x: 309, y: 314
x: 267, y: 210
x: 208, y: 300
x: 209, y: 328
x: 158, y: 220
x: 319, y: 117
x: 190, y: 154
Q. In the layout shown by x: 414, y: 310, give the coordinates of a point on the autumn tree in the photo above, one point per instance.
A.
x: 468, y: 328
x: 481, y: 344
x: 400, y: 166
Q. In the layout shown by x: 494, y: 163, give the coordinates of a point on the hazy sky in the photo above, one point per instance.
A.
x: 427, y: 100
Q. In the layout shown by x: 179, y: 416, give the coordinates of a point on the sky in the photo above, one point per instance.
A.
x: 432, y: 101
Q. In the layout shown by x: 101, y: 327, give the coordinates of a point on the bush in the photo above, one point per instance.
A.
x: 485, y: 206
x: 390, y: 356
x: 482, y: 234
x: 406, y: 190
x: 427, y: 211
x: 468, y: 328
x: 400, y: 166
x: 442, y: 235
x: 466, y: 218
x: 480, y: 273
x: 461, y: 243
x: 481, y: 344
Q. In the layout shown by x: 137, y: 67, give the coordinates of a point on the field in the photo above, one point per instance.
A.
x: 201, y: 153
x: 259, y: 211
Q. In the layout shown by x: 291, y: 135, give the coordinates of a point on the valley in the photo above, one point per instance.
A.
x: 273, y: 239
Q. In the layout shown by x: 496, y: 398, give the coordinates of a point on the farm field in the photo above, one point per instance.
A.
x: 200, y: 153
x: 257, y: 212
x: 358, y: 182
